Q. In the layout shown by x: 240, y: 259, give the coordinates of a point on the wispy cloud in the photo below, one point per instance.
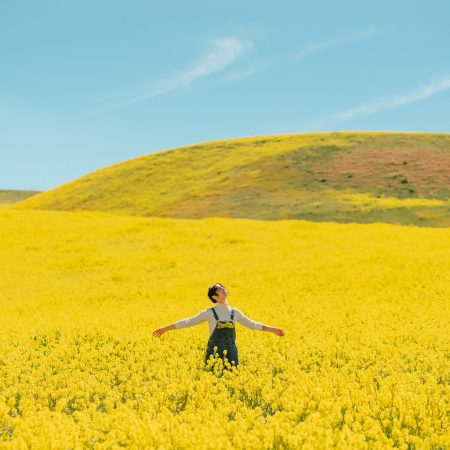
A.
x: 396, y: 100
x: 435, y: 86
x: 308, y: 49
x: 248, y: 71
x: 354, y: 36
x: 242, y: 73
x: 224, y: 52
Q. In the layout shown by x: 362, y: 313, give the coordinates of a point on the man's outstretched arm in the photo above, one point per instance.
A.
x: 160, y: 331
x: 275, y: 330
x: 253, y: 325
x: 191, y: 321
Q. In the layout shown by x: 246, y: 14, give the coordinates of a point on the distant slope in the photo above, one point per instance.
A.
x: 362, y: 177
x: 8, y: 196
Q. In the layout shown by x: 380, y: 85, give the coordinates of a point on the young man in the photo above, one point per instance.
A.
x: 221, y: 320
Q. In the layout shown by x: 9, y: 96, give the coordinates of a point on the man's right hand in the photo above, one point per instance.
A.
x: 159, y: 332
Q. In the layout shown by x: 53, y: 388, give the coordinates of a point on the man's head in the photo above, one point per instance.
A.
x: 217, y: 293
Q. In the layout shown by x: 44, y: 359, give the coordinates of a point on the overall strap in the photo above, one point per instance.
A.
x: 215, y: 314
x: 232, y: 314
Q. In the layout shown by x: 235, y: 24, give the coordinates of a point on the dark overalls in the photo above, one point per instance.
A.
x: 224, y: 337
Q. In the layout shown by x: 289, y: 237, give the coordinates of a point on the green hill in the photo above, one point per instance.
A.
x: 394, y: 177
x: 8, y: 196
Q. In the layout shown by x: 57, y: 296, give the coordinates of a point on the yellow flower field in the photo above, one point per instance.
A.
x: 364, y: 364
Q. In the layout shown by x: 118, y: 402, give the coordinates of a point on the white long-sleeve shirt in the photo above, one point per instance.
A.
x: 223, y: 311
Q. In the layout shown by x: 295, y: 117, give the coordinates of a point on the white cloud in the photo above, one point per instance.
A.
x: 240, y: 74
x: 385, y: 103
x: 224, y: 52
x: 334, y: 42
x: 396, y: 100
x: 248, y: 71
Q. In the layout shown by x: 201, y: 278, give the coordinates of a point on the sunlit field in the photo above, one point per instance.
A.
x: 364, y: 364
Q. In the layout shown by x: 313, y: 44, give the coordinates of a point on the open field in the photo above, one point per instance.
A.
x: 365, y: 361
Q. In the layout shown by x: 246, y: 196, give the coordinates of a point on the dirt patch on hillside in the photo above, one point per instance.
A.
x: 395, y: 171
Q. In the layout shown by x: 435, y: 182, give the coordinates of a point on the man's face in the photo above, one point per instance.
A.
x: 221, y: 294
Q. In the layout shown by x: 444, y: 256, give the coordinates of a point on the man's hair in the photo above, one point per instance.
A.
x: 212, y: 291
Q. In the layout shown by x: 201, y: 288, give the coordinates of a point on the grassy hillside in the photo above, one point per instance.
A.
x: 8, y: 196
x: 337, y: 176
x: 364, y: 362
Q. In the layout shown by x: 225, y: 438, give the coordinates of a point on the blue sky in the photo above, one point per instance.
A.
x: 85, y: 84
